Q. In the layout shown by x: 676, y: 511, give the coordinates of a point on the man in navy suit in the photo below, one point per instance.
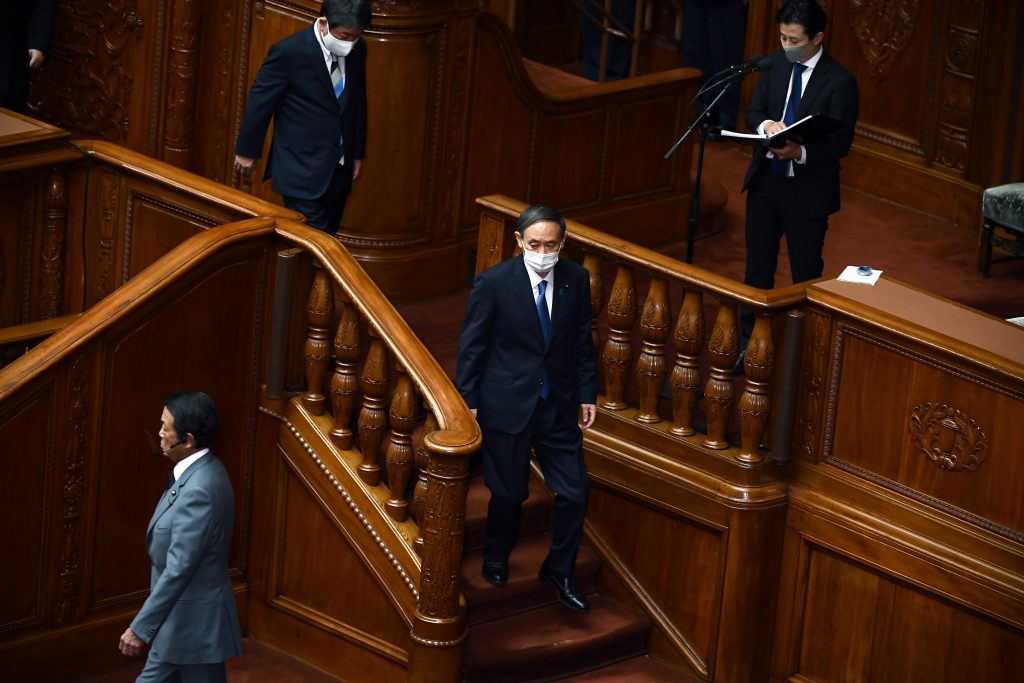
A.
x: 189, y: 619
x: 313, y: 84
x: 792, y: 190
x: 527, y: 370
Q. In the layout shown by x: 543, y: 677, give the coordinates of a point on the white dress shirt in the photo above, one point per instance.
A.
x: 182, y: 465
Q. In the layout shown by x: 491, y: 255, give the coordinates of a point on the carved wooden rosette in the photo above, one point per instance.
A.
x: 592, y: 262
x: 883, y: 29
x: 344, y: 380
x: 317, y: 348
x: 719, y: 394
x: 949, y: 438
x: 419, y: 496
x: 372, y: 417
x: 755, y: 401
x: 618, y: 350
x: 689, y: 340
x: 55, y: 225
x: 651, y: 366
x: 399, y: 458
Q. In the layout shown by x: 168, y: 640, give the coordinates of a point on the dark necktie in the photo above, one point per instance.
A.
x: 545, y: 328
x: 778, y: 166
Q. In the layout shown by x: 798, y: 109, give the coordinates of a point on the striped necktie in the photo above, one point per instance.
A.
x: 338, y: 81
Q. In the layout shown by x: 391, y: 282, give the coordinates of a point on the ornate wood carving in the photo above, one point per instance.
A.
x: 344, y: 381
x: 689, y: 340
x: 74, y: 487
x: 419, y: 497
x: 456, y: 121
x: 883, y: 29
x: 618, y: 350
x: 651, y: 367
x: 89, y: 78
x: 719, y: 393
x: 182, y: 82
x: 400, y: 454
x: 810, y: 400
x: 443, y: 530
x: 51, y: 257
x: 109, y: 186
x: 373, y: 417
x: 948, y: 437
x: 319, y: 310
x: 959, y: 84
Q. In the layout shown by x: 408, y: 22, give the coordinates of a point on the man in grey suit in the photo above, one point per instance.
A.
x: 189, y: 621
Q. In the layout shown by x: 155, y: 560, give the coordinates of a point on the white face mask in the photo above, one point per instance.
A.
x: 338, y: 48
x: 538, y: 262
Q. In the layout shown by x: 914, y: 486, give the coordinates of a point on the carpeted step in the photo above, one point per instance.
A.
x: 534, y: 519
x: 553, y: 641
x: 644, y: 669
x: 524, y: 591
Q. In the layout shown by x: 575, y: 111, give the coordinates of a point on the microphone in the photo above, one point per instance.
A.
x: 756, y: 63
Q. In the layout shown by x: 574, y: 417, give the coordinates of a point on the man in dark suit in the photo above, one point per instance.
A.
x: 26, y: 28
x: 189, y: 619
x: 313, y: 83
x: 527, y: 369
x: 792, y: 190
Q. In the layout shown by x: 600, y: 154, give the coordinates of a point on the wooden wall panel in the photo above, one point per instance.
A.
x: 638, y: 130
x: 685, y: 582
x: 26, y: 505
x: 859, y: 625
x: 211, y: 346
x: 945, y: 438
x: 571, y: 137
x: 320, y: 578
x: 19, y: 224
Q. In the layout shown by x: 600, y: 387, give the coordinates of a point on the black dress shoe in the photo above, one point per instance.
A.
x: 566, y: 589
x: 496, y: 573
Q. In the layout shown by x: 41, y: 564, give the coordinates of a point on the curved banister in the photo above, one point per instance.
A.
x: 652, y: 261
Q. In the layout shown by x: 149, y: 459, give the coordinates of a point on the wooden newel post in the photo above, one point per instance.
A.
x: 439, y: 625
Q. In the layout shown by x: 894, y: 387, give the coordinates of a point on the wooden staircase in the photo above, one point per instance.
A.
x: 519, y: 632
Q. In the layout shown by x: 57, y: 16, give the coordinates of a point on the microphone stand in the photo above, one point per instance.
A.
x: 704, y: 120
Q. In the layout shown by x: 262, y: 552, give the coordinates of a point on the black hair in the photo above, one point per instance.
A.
x: 807, y: 13
x: 540, y: 212
x: 194, y: 413
x: 351, y: 13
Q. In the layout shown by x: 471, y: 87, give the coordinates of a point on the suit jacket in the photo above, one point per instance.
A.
x: 294, y: 86
x: 831, y: 90
x: 190, y: 615
x: 502, y: 355
x: 24, y: 24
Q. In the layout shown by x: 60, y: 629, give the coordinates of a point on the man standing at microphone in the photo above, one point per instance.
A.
x: 792, y: 190
x: 189, y: 621
x: 313, y: 84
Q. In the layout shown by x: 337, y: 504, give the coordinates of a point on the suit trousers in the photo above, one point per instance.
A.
x: 775, y: 209
x: 558, y: 445
x: 324, y: 212
x: 159, y: 671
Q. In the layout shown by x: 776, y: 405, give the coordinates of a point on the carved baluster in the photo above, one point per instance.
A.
x: 592, y: 262
x: 399, y: 456
x: 344, y: 382
x: 618, y: 350
x: 51, y: 255
x: 373, y: 417
x: 689, y: 338
x: 419, y: 496
x: 651, y: 367
x: 319, y: 311
x: 755, y: 401
x: 719, y: 393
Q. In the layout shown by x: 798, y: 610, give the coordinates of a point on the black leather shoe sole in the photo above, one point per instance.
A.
x: 496, y: 573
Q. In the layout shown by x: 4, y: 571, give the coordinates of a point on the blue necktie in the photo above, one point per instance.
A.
x: 338, y: 81
x: 778, y: 166
x: 545, y: 328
